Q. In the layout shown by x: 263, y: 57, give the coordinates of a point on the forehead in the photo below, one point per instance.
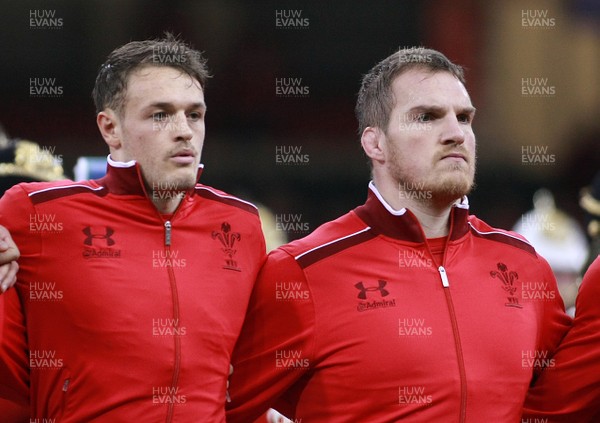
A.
x: 421, y: 86
x: 152, y: 83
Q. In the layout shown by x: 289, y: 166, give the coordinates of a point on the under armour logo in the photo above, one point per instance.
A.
x: 91, y: 236
x: 380, y: 287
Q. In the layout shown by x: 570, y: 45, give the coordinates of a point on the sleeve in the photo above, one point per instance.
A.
x: 569, y: 391
x: 554, y: 321
x: 14, y: 374
x: 276, y: 347
x: 15, y: 210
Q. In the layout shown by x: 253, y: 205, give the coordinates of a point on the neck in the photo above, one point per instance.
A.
x: 165, y: 203
x: 433, y: 214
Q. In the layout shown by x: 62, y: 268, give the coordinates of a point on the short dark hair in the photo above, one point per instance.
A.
x: 111, y: 82
x: 375, y: 98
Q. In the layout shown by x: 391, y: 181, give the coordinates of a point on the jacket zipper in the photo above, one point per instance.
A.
x: 168, y: 226
x: 457, y: 344
x: 176, y: 338
x: 65, y: 389
x: 168, y: 233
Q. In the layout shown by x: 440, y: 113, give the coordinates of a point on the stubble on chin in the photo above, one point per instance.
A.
x: 169, y: 182
x: 453, y: 184
x: 184, y: 183
x: 440, y: 186
x: 435, y: 189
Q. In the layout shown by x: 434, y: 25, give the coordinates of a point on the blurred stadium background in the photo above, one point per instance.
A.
x: 253, y: 48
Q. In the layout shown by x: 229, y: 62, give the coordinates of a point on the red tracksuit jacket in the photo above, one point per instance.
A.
x: 358, y: 322
x: 121, y: 314
x: 570, y: 391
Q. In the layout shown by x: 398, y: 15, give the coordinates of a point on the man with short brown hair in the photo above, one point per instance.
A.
x: 407, y: 308
x: 132, y: 287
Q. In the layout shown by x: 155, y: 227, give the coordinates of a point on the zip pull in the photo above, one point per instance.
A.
x: 66, y: 385
x: 444, y: 277
x: 168, y: 233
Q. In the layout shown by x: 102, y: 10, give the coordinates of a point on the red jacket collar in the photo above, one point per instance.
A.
x: 403, y: 224
x: 125, y: 178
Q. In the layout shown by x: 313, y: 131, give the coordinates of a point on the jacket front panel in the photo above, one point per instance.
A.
x: 403, y: 346
x: 377, y: 330
x: 122, y: 323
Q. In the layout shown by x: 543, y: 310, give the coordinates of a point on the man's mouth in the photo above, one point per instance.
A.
x: 184, y: 157
x: 455, y: 156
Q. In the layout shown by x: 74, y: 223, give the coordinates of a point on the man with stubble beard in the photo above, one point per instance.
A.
x: 408, y: 308
x: 132, y: 288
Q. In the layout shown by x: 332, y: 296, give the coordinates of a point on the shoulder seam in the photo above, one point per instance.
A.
x: 53, y: 193
x: 227, y: 199
x: 331, y: 242
x: 336, y: 245
x: 526, y: 245
x: 41, y: 191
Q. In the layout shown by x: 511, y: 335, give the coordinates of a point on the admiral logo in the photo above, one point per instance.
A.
x: 97, y: 243
x: 43, y: 420
x: 508, y: 279
x: 373, y: 303
x: 413, y: 395
x: 535, y: 420
x: 228, y: 240
x: 290, y: 359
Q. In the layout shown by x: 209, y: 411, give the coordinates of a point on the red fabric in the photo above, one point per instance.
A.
x: 118, y: 325
x: 437, y: 246
x: 368, y: 332
x: 262, y: 419
x: 569, y: 391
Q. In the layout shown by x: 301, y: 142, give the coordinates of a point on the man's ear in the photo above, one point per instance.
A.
x: 372, y: 141
x: 109, y: 125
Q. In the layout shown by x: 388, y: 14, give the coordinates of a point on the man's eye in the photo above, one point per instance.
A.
x: 423, y: 117
x: 159, y: 116
x: 464, y: 118
x: 195, y: 116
